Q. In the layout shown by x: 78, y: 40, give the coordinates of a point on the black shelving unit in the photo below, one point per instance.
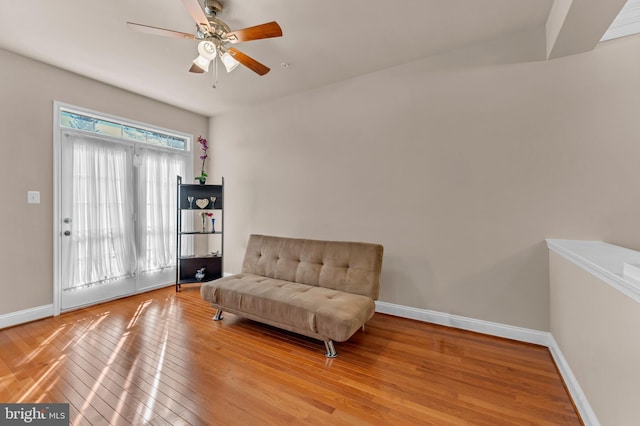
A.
x: 188, y: 265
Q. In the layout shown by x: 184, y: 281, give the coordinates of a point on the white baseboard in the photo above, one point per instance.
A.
x: 26, y: 315
x: 579, y: 398
x: 465, y: 323
x: 507, y: 331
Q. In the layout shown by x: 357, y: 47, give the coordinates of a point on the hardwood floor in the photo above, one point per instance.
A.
x: 158, y: 358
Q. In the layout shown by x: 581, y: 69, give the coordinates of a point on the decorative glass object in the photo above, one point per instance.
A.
x: 213, y: 225
x: 200, y: 273
x: 190, y: 199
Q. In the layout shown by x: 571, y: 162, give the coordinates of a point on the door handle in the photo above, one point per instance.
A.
x: 67, y: 220
x: 67, y: 233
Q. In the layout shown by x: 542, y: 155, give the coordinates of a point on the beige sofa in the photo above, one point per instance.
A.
x: 321, y: 289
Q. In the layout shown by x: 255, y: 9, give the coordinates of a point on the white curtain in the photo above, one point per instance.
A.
x: 103, y: 242
x: 156, y: 192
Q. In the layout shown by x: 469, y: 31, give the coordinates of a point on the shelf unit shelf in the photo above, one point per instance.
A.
x: 199, y: 233
x: 187, y: 265
x: 206, y: 256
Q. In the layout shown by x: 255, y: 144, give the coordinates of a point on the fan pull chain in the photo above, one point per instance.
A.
x: 215, y: 73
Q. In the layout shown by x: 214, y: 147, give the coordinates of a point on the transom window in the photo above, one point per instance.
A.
x: 94, y: 124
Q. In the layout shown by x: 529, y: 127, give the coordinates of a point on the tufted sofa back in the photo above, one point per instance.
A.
x: 339, y: 265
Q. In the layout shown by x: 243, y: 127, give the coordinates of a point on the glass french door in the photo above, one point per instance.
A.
x: 156, y: 193
x: 98, y: 257
x: 117, y: 205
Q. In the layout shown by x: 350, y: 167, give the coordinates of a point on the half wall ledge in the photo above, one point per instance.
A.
x: 594, y: 317
x: 615, y: 265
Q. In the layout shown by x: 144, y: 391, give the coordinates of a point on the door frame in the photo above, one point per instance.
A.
x: 57, y: 214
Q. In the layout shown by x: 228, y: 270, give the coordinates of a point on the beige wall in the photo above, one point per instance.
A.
x: 460, y: 165
x: 27, y: 92
x: 595, y: 326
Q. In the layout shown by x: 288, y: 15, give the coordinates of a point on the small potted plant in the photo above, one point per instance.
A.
x: 204, y: 146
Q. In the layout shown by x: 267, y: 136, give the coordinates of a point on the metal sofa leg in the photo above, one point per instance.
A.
x: 331, y: 350
x: 218, y: 315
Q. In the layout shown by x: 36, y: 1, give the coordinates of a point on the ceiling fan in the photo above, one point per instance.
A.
x: 215, y: 36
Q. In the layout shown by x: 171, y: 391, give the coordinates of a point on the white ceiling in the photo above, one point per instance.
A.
x: 323, y: 41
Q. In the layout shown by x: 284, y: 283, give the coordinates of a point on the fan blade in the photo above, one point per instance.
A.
x: 198, y: 15
x: 147, y: 29
x: 268, y: 30
x: 248, y: 61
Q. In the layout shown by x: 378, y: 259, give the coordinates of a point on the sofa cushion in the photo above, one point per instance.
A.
x: 347, y: 266
x: 325, y: 311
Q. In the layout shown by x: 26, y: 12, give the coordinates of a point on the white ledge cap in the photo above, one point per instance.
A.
x: 605, y: 261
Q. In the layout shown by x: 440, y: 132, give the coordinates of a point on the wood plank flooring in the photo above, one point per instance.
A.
x: 158, y: 358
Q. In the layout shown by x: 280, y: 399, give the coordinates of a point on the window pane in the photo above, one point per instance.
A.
x: 154, y: 138
x: 108, y: 128
x: 134, y: 134
x: 178, y: 143
x: 75, y: 121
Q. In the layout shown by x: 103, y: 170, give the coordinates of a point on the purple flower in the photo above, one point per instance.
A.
x: 204, y: 146
x: 203, y: 143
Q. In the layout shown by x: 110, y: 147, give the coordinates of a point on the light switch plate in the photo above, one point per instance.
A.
x: 33, y: 197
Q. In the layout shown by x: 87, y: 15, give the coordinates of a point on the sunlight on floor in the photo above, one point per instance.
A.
x: 73, y: 334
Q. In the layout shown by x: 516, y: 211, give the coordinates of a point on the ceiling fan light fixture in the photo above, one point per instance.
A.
x: 200, y: 65
x: 207, y: 49
x: 207, y: 53
x: 214, y: 34
x: 230, y: 63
